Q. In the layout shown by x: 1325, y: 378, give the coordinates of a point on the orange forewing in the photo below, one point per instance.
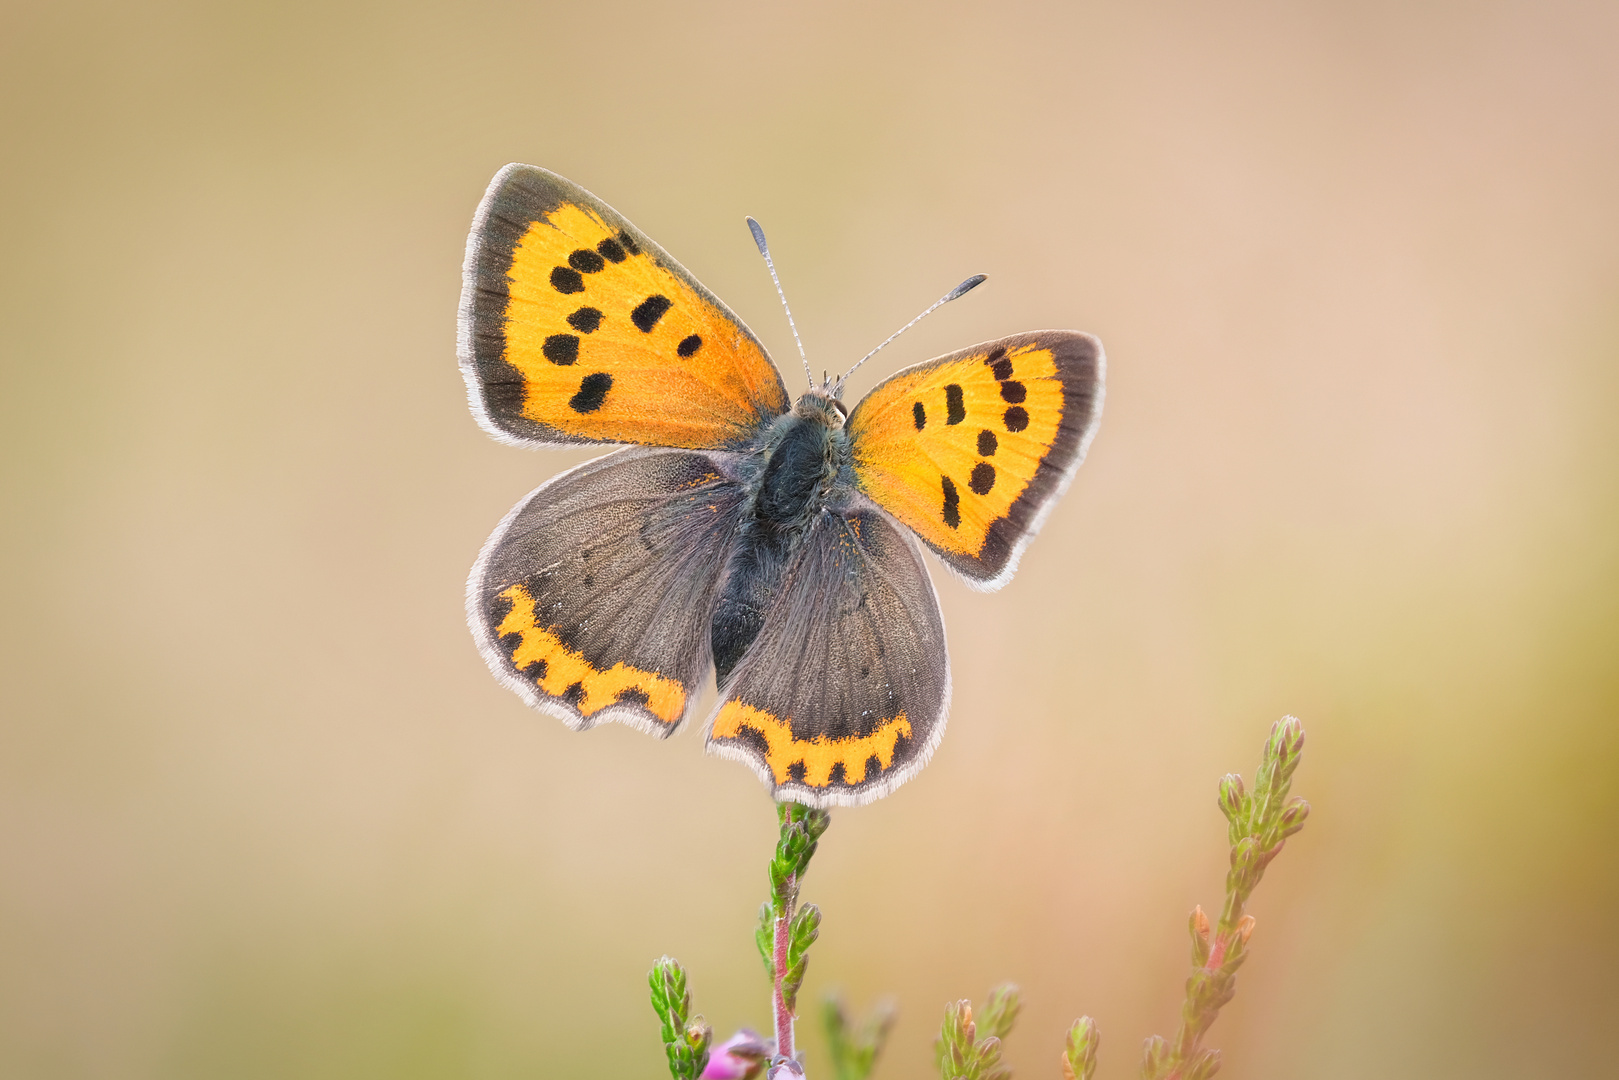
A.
x: 578, y: 328
x: 968, y: 449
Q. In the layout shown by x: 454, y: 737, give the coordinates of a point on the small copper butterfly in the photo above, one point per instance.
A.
x: 770, y: 540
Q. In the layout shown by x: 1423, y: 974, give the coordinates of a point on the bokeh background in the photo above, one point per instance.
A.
x: 263, y: 812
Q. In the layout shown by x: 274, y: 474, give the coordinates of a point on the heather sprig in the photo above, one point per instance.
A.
x: 854, y: 1048
x: 686, y: 1038
x: 969, y: 1042
x: 1260, y: 823
x: 1079, y: 1054
x: 786, y: 931
x: 961, y: 1052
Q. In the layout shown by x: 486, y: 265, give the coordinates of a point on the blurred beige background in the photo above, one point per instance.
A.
x: 263, y: 811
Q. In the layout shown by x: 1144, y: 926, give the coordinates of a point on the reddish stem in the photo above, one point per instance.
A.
x: 784, y: 1015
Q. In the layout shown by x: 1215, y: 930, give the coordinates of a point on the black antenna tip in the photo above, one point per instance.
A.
x: 758, y: 236
x: 965, y: 287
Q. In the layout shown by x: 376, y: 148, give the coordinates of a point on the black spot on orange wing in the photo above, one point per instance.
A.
x: 592, y: 392
x: 920, y: 415
x: 574, y: 694
x: 955, y: 405
x: 561, y: 349
x: 987, y: 443
x: 1002, y: 369
x: 586, y: 261
x: 634, y: 694
x: 952, y: 504
x: 535, y: 670
x: 1013, y: 392
x: 983, y: 478
x: 565, y: 279
x: 690, y: 344
x: 755, y: 743
x: 995, y: 356
x: 612, y: 250
x: 649, y: 311
x: 586, y: 319
x: 629, y: 243
x: 1017, y: 418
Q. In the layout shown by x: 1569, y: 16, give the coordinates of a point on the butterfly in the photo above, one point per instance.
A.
x: 774, y: 542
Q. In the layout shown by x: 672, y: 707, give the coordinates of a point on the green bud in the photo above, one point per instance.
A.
x: 670, y: 1000
x: 954, y: 1049
x: 1198, y: 927
x: 805, y: 928
x: 966, y: 1030
x: 1236, y: 950
x: 1079, y: 1055
x: 699, y: 1037
x: 685, y: 1042
x: 1276, y: 744
x: 764, y: 936
x: 1226, y: 987
x: 1000, y: 1011
x: 792, y: 980
x: 1154, y: 1057
x: 1293, y: 817
x: 1292, y: 741
x: 1204, y: 1064
x: 989, y: 1066
x: 1232, y: 796
x: 1197, y: 991
x: 1245, y: 855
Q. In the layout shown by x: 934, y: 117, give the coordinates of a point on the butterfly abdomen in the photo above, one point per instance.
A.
x: 795, y: 474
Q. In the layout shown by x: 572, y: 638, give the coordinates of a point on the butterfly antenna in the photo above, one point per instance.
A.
x: 764, y: 249
x: 960, y: 290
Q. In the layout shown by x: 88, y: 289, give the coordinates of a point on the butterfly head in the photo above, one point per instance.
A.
x: 823, y: 404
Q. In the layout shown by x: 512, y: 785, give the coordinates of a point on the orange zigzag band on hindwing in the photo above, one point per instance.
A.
x: 563, y: 668
x: 818, y: 755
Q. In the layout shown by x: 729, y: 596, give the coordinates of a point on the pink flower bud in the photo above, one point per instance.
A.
x: 741, y: 1057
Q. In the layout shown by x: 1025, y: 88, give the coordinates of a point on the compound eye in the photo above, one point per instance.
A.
x: 842, y: 411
